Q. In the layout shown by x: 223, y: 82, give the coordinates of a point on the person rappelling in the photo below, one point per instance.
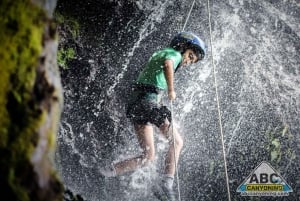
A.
x: 145, y: 109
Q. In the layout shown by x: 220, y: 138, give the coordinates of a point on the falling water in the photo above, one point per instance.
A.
x: 256, y: 52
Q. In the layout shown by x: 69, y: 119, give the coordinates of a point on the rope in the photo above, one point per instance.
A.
x: 218, y: 103
x: 172, y: 128
x: 174, y: 145
x: 187, y: 18
x: 218, y: 107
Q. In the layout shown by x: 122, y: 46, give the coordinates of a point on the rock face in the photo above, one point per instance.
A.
x: 31, y: 102
x: 255, y: 47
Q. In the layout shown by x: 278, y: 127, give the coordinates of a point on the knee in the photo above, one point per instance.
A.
x: 178, y: 141
x: 177, y: 137
x: 148, y: 158
x: 165, y: 128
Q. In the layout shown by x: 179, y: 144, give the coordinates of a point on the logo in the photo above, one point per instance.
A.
x: 264, y: 180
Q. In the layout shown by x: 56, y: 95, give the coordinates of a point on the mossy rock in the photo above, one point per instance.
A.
x: 30, y: 103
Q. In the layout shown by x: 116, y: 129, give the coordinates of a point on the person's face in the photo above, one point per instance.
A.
x: 188, y: 57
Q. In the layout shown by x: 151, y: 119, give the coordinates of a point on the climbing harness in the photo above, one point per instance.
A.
x: 218, y: 102
x: 218, y: 107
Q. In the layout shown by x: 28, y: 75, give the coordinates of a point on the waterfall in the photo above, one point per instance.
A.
x: 256, y: 52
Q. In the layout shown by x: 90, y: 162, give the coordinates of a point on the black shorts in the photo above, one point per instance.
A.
x: 144, y: 107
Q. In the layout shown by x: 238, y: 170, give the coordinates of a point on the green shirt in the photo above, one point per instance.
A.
x: 153, y: 73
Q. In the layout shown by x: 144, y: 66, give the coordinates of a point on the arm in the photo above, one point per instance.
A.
x: 169, y: 75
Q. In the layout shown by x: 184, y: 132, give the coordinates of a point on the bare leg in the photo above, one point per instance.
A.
x: 170, y: 160
x: 146, y: 140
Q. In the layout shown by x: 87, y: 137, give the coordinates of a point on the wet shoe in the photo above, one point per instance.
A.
x: 163, y: 193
